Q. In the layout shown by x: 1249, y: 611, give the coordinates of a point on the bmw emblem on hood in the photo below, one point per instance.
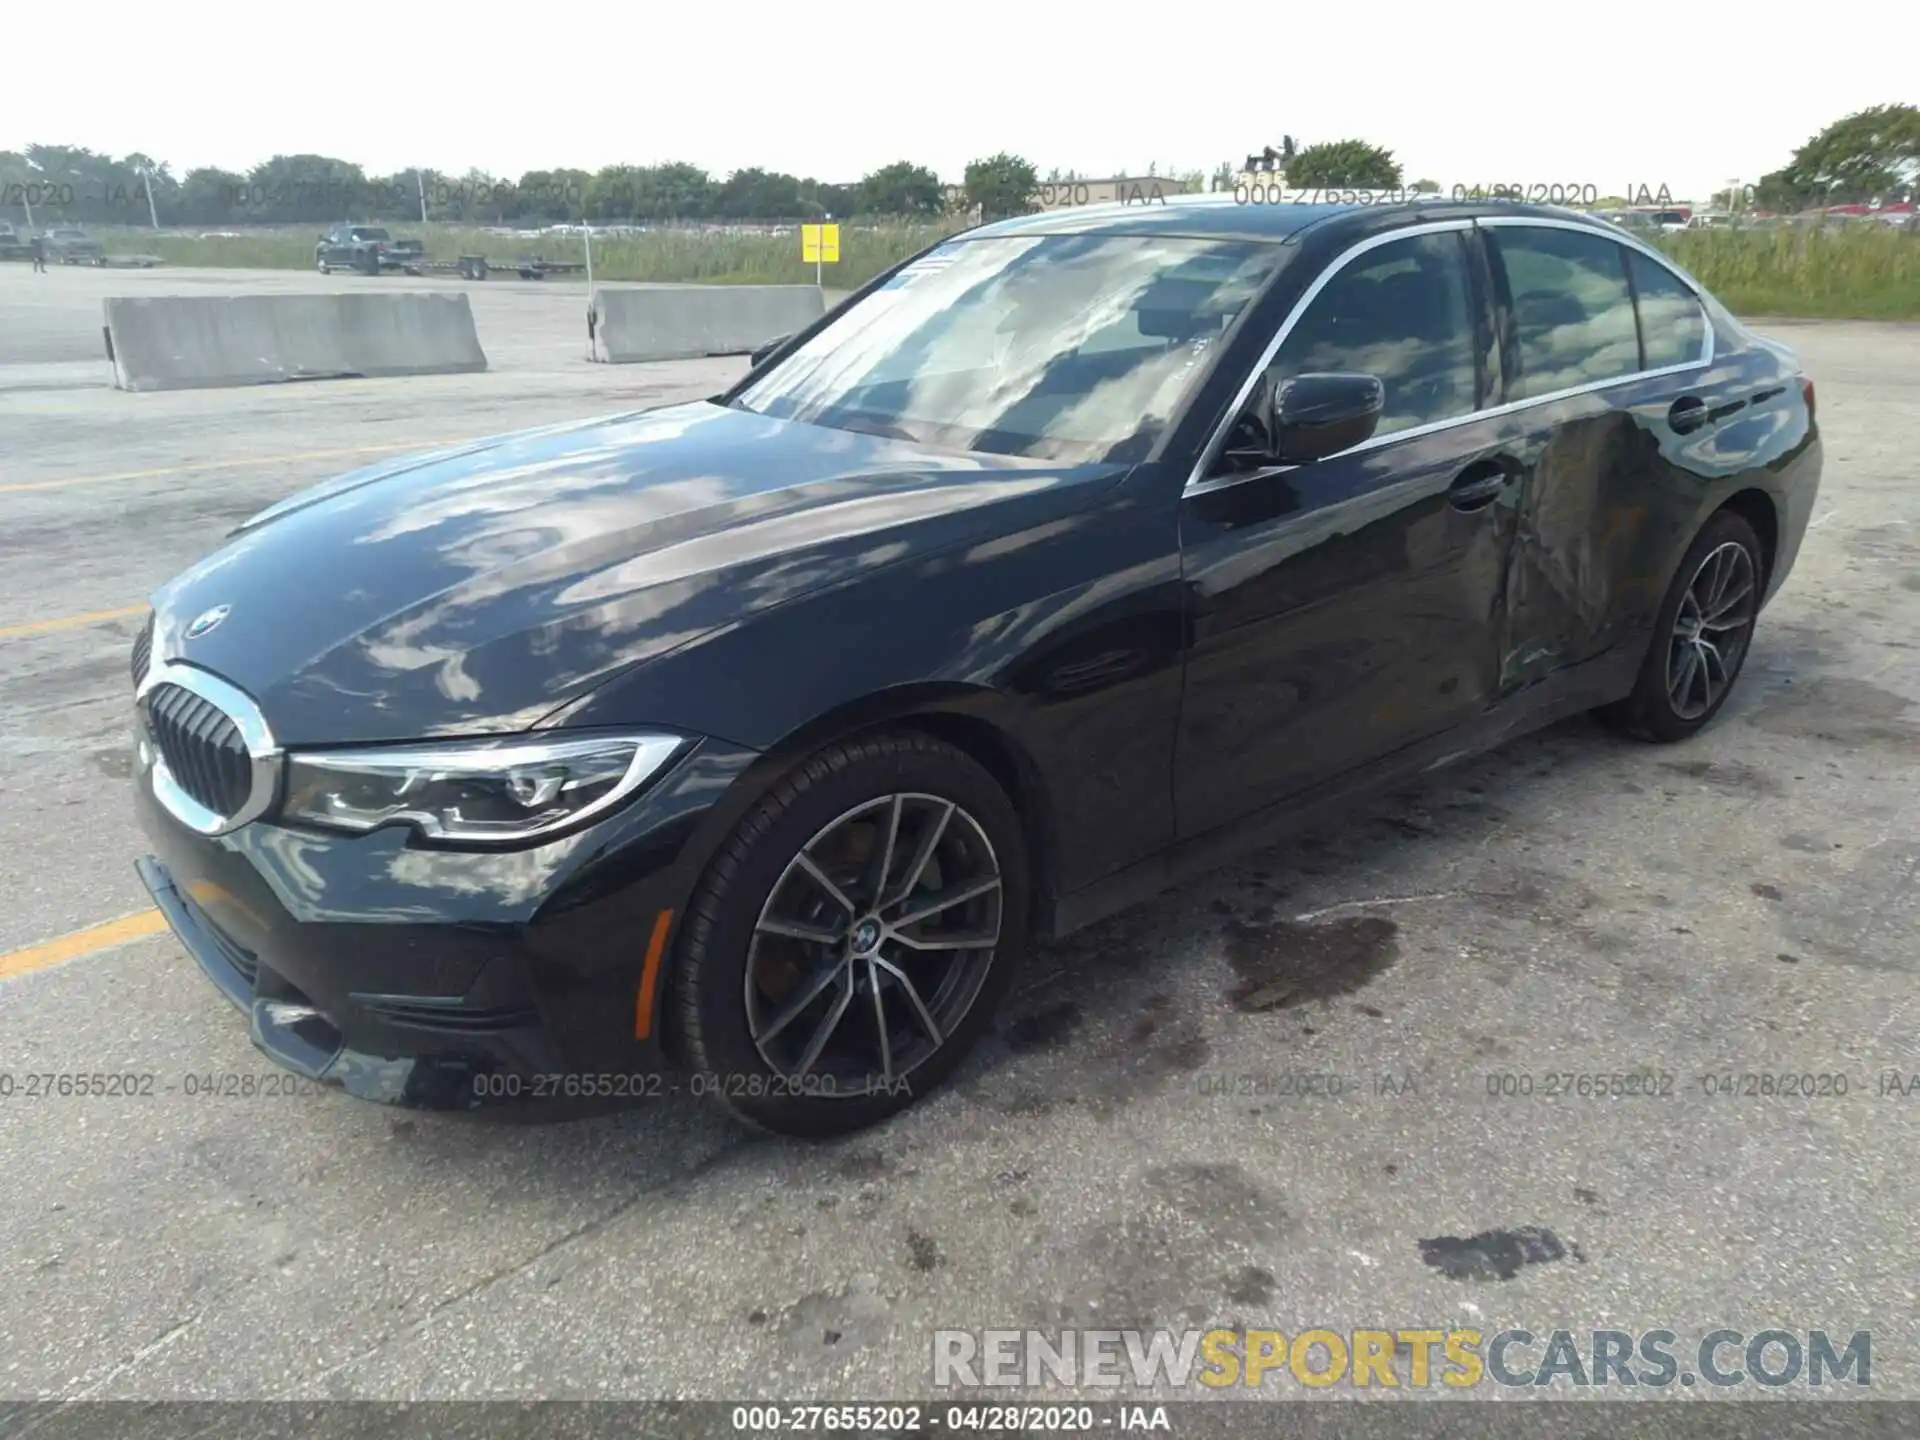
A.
x: 207, y: 621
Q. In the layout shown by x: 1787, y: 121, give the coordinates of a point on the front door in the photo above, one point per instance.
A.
x: 1346, y: 608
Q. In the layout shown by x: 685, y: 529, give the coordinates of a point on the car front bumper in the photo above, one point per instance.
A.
x: 442, y: 979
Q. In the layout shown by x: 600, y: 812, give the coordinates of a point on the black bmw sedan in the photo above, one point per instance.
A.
x: 744, y: 746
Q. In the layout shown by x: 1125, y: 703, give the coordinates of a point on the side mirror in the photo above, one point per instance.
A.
x: 1314, y: 416
x: 759, y: 357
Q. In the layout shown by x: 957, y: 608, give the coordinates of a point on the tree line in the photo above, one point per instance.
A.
x: 75, y: 184
x: 1873, y: 154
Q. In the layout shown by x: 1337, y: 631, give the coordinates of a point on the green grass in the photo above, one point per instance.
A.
x: 1848, y: 272
x: 708, y: 257
x: 1856, y: 271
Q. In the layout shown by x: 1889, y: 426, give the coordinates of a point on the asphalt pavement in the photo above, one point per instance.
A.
x: 1292, y: 1095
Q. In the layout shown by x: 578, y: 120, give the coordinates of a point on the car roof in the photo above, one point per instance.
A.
x: 1220, y: 216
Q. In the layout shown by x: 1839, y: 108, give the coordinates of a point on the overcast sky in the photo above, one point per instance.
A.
x: 1689, y: 95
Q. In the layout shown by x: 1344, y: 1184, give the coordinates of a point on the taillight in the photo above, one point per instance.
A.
x: 1806, y: 389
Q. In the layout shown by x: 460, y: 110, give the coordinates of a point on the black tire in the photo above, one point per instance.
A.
x: 1666, y: 704
x: 708, y: 989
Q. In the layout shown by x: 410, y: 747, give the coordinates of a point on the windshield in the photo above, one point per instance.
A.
x: 1069, y: 347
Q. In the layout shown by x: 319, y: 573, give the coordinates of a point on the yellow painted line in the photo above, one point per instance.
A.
x: 205, y: 466
x: 69, y: 622
x: 90, y: 941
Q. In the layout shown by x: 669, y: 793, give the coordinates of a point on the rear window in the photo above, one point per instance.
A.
x: 1573, y: 314
x: 1673, y: 328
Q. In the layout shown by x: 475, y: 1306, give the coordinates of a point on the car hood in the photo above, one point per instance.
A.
x: 477, y: 589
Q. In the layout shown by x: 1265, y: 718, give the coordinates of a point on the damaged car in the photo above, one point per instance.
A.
x: 744, y: 747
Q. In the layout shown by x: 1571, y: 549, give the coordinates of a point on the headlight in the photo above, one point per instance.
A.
x: 489, y: 792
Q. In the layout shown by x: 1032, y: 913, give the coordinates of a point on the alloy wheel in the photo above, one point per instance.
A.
x: 1711, y: 630
x: 873, y: 944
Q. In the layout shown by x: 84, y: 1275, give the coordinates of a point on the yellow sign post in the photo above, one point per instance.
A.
x: 820, y: 244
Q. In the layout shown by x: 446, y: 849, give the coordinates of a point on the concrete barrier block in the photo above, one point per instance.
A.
x: 682, y: 322
x: 187, y: 342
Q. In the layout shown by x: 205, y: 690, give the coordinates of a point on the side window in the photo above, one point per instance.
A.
x: 1572, y: 312
x: 1673, y: 330
x: 1402, y: 313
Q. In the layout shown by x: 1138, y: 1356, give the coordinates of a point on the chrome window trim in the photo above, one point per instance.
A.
x: 262, y: 748
x: 1547, y: 222
x: 1198, y: 483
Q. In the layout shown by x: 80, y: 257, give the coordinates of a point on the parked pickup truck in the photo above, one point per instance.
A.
x: 72, y: 246
x: 368, y: 249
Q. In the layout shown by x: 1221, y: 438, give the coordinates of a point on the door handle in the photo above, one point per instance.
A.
x: 1477, y: 485
x: 1687, y: 414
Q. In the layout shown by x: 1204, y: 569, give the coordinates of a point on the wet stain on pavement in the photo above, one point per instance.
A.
x: 922, y: 1253
x: 1024, y: 1102
x: 1881, y: 542
x: 116, y: 764
x: 824, y: 1325
x: 1866, y: 917
x: 1492, y: 1254
x: 1805, y: 844
x: 1158, y: 1010
x: 1163, y: 1043
x: 1288, y: 964
x: 1766, y: 891
x: 1043, y: 1029
x: 1735, y: 776
x: 1160, y: 1257
x: 1841, y: 712
x: 1251, y: 1285
x: 863, y: 1165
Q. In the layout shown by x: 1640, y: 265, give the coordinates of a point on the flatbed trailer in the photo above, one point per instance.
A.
x: 479, y: 267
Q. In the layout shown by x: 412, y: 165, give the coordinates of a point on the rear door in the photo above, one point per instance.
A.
x: 1609, y: 386
x: 1346, y: 608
